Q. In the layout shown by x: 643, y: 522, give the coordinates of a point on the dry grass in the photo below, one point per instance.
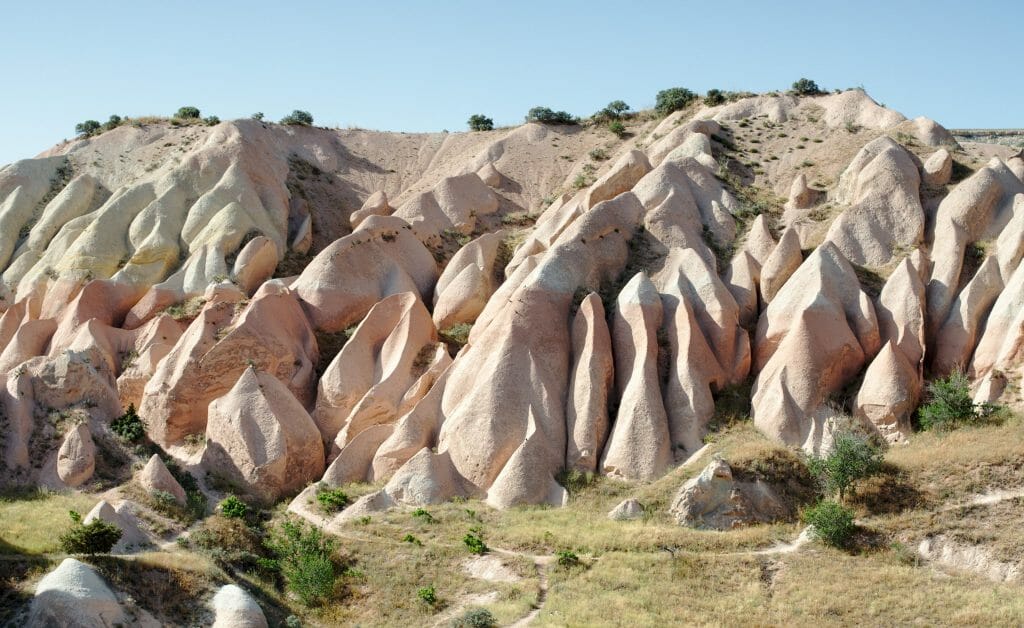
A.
x: 32, y: 522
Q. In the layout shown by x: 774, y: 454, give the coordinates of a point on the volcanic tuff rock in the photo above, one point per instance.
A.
x: 285, y: 291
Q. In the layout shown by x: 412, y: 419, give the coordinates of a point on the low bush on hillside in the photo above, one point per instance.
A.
x: 480, y: 122
x: 544, y: 115
x: 950, y: 405
x: 95, y: 537
x: 332, y: 500
x: 298, y: 118
x: 852, y: 458
x: 305, y: 557
x: 475, y: 618
x: 673, y: 99
x: 474, y: 543
x: 833, y: 523
x: 129, y: 426
x: 806, y: 87
x: 617, y: 128
x: 187, y: 113
x: 714, y: 97
x: 233, y: 508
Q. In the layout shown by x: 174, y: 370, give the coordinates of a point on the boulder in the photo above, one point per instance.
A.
x: 742, y: 277
x: 639, y: 445
x: 938, y: 168
x: 889, y: 394
x: 958, y: 336
x: 627, y: 510
x: 73, y: 595
x: 133, y: 539
x: 260, y: 437
x: 622, y: 176
x: 591, y: 379
x: 759, y: 243
x: 375, y: 205
x: 715, y: 500
x: 234, y: 608
x: 76, y: 458
x: 801, y: 196
x: 490, y: 175
x: 255, y: 264
x: 155, y: 477
x: 468, y: 281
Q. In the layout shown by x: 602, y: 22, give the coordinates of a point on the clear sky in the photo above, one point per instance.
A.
x: 426, y: 66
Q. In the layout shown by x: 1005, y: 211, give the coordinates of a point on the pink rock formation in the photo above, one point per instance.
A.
x: 783, y: 262
x: 623, y: 175
x: 468, y: 281
x: 591, y: 379
x: 155, y: 477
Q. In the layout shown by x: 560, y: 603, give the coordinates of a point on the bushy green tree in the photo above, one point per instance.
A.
x: 806, y: 87
x: 306, y: 560
x: 332, y: 499
x: 88, y: 128
x: 298, y: 117
x: 129, y: 426
x: 833, y: 523
x: 112, y: 123
x: 480, y: 122
x: 617, y: 128
x: 257, y: 116
x: 187, y: 113
x: 950, y: 405
x: 211, y: 120
x: 714, y: 97
x: 852, y: 458
x: 95, y: 537
x: 545, y: 115
x: 233, y: 508
x: 673, y: 99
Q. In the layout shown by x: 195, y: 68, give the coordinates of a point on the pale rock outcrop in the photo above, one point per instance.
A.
x: 901, y: 312
x: 957, y: 337
x: 259, y: 436
x: 622, y: 176
x: 490, y: 175
x: 590, y: 383
x: 234, y: 608
x: 255, y: 264
x: 683, y: 135
x: 929, y: 132
x: 76, y: 458
x: 417, y: 429
x: 976, y: 209
x: 365, y: 383
x: 813, y: 337
x: 132, y: 539
x: 627, y: 510
x: 938, y: 168
x: 271, y: 334
x: 1010, y: 243
x: 1001, y: 347
x: 889, y: 394
x: 742, y: 277
x: 801, y: 195
x: 760, y: 243
x: 468, y: 281
x: 73, y: 595
x: 454, y: 203
x: 855, y: 107
x: 155, y: 477
x: 375, y: 205
x: 639, y: 445
x: 780, y: 265
x: 381, y: 258
x: 715, y: 500
x: 427, y: 478
x: 354, y: 461
x: 882, y: 187
x: 150, y: 344
x: 505, y: 394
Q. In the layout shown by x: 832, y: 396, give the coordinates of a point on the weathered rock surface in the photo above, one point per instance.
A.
x: 73, y: 595
x: 234, y: 608
x: 715, y: 500
x: 468, y: 281
x: 591, y: 380
x: 260, y: 437
x: 626, y: 510
x: 155, y: 477
x: 76, y: 458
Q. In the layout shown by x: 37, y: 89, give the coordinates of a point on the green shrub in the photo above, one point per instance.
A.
x: 833, y: 523
x: 211, y: 120
x: 714, y: 97
x: 257, y: 116
x: 612, y: 111
x: 96, y: 537
x: 599, y: 154
x: 475, y: 544
x: 112, y: 123
x: 233, y: 508
x: 475, y: 618
x: 428, y: 595
x: 332, y: 499
x: 852, y: 458
x: 950, y: 405
x: 617, y: 128
x: 544, y: 115
x: 673, y: 99
x: 806, y: 87
x: 187, y: 113
x: 567, y: 559
x: 408, y: 538
x: 575, y: 481
x: 129, y: 426
x: 480, y: 122
x: 298, y: 117
x: 420, y: 513
x: 88, y: 128
x: 306, y: 560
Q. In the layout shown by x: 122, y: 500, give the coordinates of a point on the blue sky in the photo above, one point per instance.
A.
x: 426, y: 66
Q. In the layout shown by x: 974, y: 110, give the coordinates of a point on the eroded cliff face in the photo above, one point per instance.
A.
x: 472, y: 314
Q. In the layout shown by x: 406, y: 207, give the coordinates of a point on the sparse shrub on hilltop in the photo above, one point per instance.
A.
x: 612, y: 111
x: 617, y: 128
x: 806, y: 87
x: 88, y: 128
x: 298, y: 118
x: 545, y: 115
x: 211, y: 120
x: 95, y: 537
x: 112, y: 123
x: 714, y: 97
x: 187, y: 113
x: 480, y: 122
x: 673, y: 99
x: 257, y: 116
